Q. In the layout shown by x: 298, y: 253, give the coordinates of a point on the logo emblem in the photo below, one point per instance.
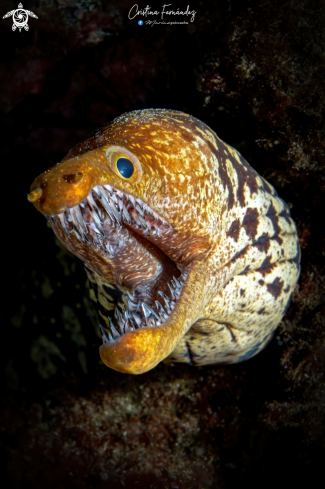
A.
x: 20, y: 18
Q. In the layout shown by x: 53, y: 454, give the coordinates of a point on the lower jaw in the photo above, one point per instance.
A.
x: 141, y: 350
x: 138, y: 351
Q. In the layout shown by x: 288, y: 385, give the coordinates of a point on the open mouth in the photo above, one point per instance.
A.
x: 101, y: 221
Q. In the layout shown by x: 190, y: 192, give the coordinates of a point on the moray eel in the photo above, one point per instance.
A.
x: 191, y: 255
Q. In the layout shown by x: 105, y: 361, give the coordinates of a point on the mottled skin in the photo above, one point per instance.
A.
x: 230, y: 235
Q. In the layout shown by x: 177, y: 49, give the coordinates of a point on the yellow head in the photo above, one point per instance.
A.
x: 137, y: 202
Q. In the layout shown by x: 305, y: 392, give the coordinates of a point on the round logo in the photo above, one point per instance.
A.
x: 20, y: 19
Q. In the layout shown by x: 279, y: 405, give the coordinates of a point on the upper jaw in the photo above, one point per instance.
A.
x: 103, y: 208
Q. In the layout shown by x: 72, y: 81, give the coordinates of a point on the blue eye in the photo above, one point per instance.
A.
x: 125, y: 167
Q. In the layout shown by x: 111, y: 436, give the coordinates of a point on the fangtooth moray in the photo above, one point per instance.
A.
x: 192, y: 256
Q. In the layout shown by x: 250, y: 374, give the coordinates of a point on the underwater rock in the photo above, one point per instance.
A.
x: 269, y: 68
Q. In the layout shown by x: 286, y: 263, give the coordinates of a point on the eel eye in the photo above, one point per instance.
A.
x: 125, y: 167
x: 124, y: 163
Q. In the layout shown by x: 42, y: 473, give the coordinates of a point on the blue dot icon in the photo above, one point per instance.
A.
x: 140, y: 22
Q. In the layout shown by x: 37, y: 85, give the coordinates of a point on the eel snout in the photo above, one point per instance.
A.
x: 67, y: 184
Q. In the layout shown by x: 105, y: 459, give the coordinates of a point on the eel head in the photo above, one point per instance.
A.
x: 129, y: 202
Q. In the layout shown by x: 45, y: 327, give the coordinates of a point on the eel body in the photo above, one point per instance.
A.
x: 191, y: 255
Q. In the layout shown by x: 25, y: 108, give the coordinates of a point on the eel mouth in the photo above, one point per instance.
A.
x: 100, y: 222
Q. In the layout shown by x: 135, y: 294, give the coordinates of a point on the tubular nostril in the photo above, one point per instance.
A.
x: 34, y: 195
x: 73, y: 177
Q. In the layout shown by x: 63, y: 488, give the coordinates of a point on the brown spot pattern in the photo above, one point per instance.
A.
x: 223, y: 175
x: 278, y: 239
x: 263, y: 245
x: 233, y: 231
x: 275, y: 288
x: 250, y: 222
x: 275, y: 224
x: 246, y: 175
x: 271, y: 210
x: 266, y: 269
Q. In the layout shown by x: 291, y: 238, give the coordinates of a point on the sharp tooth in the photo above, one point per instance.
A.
x: 120, y: 320
x: 114, y: 331
x: 68, y: 215
x: 53, y: 219
x: 142, y: 221
x: 131, y: 305
x: 63, y: 223
x: 148, y: 226
x: 171, y: 291
x: 98, y: 209
x: 120, y: 194
x: 78, y: 213
x: 94, y: 214
x: 83, y: 203
x: 178, y: 284
x: 147, y: 311
x: 97, y: 223
x: 108, y: 209
x: 130, y: 296
x: 110, y: 195
x: 119, y: 315
x: 160, y: 308
x: 77, y: 220
x: 114, y: 198
x: 93, y: 204
x: 101, y: 243
x: 105, y: 338
x: 120, y: 205
x: 76, y: 233
x: 127, y: 327
x: 137, y: 319
x: 97, y: 192
x: 132, y: 199
x: 166, y: 299
x: 136, y: 218
x: 139, y: 209
x: 93, y: 234
x: 177, y: 293
x: 126, y: 216
x: 92, y: 226
x: 108, y: 187
x: 116, y: 213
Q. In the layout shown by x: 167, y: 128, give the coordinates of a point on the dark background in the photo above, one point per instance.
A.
x: 254, y: 72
